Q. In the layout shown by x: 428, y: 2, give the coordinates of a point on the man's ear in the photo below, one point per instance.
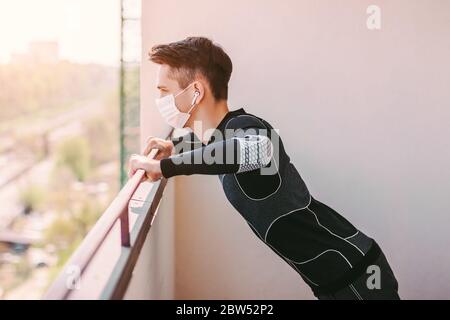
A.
x: 199, y: 88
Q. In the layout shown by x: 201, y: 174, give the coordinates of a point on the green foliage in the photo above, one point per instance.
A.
x: 75, y: 154
x: 26, y: 88
x: 68, y: 230
x: 103, y: 138
x: 32, y: 197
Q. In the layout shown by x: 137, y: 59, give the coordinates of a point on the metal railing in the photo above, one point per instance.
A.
x: 131, y: 242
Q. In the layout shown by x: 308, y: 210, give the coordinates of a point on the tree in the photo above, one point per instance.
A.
x: 75, y: 154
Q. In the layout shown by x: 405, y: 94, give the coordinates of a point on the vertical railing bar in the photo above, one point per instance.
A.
x: 125, y: 228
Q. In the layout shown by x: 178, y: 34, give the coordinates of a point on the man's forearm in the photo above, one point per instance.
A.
x: 233, y: 155
x: 186, y: 142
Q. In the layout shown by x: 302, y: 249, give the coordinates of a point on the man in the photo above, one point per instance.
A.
x: 334, y: 258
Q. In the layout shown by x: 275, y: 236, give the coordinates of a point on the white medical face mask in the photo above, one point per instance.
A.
x: 169, y: 111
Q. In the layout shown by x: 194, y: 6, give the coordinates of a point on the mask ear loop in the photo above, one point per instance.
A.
x: 176, y: 95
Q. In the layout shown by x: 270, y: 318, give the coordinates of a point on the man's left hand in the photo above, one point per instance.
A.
x: 151, y: 166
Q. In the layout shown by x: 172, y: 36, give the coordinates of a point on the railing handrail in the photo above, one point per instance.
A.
x: 80, y: 259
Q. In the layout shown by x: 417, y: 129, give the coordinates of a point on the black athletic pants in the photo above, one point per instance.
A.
x: 366, y: 287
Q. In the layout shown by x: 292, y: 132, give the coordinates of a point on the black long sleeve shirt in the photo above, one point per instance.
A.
x: 321, y: 245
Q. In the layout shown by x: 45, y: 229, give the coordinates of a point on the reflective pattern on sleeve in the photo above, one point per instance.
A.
x: 255, y: 152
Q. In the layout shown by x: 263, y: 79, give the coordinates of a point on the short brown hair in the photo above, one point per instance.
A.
x: 193, y: 56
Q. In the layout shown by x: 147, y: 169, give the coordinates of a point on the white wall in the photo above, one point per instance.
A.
x: 364, y: 115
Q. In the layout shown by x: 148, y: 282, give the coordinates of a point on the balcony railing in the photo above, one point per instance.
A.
x: 101, y: 267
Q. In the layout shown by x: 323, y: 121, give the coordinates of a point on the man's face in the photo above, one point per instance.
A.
x: 167, y: 85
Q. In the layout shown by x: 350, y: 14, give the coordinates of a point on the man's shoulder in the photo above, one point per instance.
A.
x: 245, y: 120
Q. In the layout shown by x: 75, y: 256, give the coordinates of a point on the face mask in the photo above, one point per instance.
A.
x: 169, y: 111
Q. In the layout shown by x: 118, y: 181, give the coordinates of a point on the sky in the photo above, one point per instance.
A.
x: 88, y: 31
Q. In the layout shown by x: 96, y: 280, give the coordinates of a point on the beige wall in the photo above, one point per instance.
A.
x: 154, y: 274
x: 364, y: 115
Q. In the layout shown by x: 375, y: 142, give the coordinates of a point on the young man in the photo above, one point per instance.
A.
x: 334, y: 258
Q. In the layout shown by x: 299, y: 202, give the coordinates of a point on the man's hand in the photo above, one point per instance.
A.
x: 165, y: 147
x: 151, y: 166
